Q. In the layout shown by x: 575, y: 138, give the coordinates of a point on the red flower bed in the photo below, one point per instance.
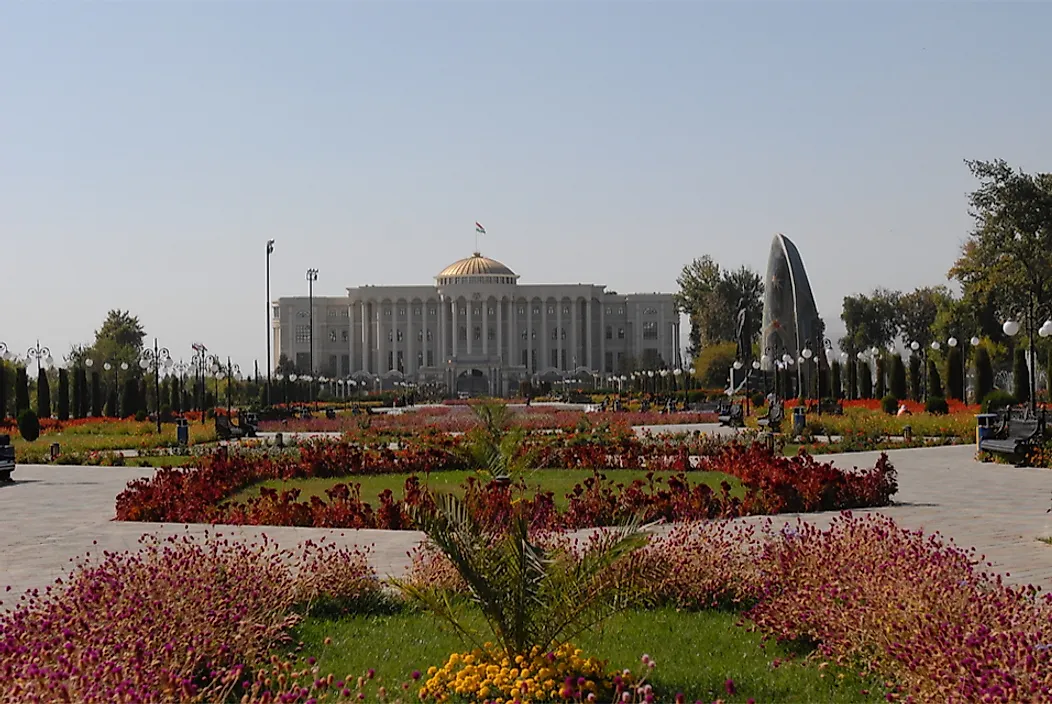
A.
x: 773, y: 484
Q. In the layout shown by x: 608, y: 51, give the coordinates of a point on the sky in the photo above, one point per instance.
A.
x: 149, y: 148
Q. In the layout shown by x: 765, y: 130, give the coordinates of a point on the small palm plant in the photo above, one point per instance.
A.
x: 528, y: 595
x: 496, y: 448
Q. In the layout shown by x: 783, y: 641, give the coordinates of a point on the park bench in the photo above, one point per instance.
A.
x: 7, y: 458
x: 733, y: 417
x: 246, y: 427
x: 773, y: 418
x: 1018, y: 432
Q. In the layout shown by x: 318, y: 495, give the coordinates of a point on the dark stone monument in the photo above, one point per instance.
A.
x: 790, y: 317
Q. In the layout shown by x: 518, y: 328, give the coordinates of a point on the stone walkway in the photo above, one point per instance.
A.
x: 53, y: 515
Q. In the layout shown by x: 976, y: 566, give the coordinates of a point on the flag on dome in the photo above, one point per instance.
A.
x: 479, y: 228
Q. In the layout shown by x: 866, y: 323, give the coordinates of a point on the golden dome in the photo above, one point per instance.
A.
x: 476, y: 265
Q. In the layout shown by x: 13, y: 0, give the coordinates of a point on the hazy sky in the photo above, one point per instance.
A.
x: 148, y: 149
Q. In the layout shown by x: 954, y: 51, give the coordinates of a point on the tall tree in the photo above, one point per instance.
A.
x: 119, y: 339
x: 915, y: 377
x: 21, y: 391
x: 934, y: 380
x: 1008, y: 255
x: 918, y: 311
x: 1020, y: 377
x: 954, y: 374
x: 898, y: 377
x: 710, y: 297
x: 43, y: 395
x: 882, y: 388
x: 130, y: 403
x: 871, y: 321
x: 865, y: 380
x: 63, y: 394
x: 984, y: 373
x: 3, y: 389
x: 96, y: 395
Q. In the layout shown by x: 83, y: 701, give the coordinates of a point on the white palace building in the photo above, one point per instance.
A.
x: 477, y: 330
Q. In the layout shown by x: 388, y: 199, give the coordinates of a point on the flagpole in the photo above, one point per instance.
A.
x: 476, y: 238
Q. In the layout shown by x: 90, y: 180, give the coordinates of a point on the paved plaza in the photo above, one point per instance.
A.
x: 53, y: 515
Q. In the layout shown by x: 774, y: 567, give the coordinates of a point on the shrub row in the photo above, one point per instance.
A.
x: 772, y: 484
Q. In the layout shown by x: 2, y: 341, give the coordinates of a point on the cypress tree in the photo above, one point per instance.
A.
x: 1048, y: 376
x: 81, y: 385
x: 865, y: 379
x: 954, y: 374
x: 1020, y: 376
x: 915, y: 377
x: 63, y: 394
x: 129, y: 398
x: 934, y: 380
x: 838, y: 390
x: 3, y: 390
x: 43, y: 395
x: 21, y: 391
x: 984, y: 373
x: 852, y: 381
x: 175, y: 398
x: 96, y: 395
x: 111, y: 403
x: 882, y: 389
x: 898, y: 377
x: 144, y: 397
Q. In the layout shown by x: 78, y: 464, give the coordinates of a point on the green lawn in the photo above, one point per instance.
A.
x: 559, y: 481
x: 696, y: 653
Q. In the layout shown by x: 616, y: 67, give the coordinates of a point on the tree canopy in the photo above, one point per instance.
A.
x: 1008, y: 254
x: 871, y: 321
x: 710, y: 296
x: 119, y: 339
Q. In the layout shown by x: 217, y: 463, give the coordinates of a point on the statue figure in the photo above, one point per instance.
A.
x: 742, y: 334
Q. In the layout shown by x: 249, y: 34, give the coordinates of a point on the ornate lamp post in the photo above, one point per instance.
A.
x: 312, y: 276
x: 40, y: 354
x: 1012, y: 328
x: 270, y: 362
x: 157, y: 357
x: 198, y: 362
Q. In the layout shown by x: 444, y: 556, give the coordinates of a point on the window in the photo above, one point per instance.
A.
x: 620, y: 333
x: 609, y: 310
x: 566, y: 310
x: 401, y: 312
x: 609, y: 332
x: 475, y: 310
x: 390, y: 336
x: 522, y: 310
x: 387, y: 312
x: 345, y: 335
x: 419, y: 359
x: 609, y: 362
x: 345, y: 364
x: 419, y: 335
x: 649, y: 311
x: 562, y: 331
x: 525, y: 335
x: 620, y: 310
x: 650, y: 330
x: 462, y: 334
x: 416, y: 311
x: 332, y: 336
x: 536, y: 310
x: 430, y: 358
x: 491, y: 310
x: 551, y: 310
x: 345, y: 312
x: 463, y: 310
x: 333, y: 312
x: 429, y: 336
x: 555, y: 333
x: 399, y: 335
x: 491, y: 334
x: 303, y: 333
x: 331, y: 369
x: 277, y: 312
x: 431, y: 311
x: 477, y: 332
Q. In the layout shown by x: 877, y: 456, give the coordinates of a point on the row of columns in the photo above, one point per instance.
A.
x: 374, y: 334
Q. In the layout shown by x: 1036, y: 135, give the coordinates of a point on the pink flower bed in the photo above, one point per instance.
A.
x: 182, y: 620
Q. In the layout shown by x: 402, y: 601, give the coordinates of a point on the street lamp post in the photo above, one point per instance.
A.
x: 312, y: 276
x: 232, y: 371
x: 156, y: 357
x: 198, y: 361
x: 270, y: 362
x: 40, y: 354
x: 1011, y: 328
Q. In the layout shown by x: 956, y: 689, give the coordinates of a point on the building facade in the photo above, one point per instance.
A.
x: 477, y: 329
